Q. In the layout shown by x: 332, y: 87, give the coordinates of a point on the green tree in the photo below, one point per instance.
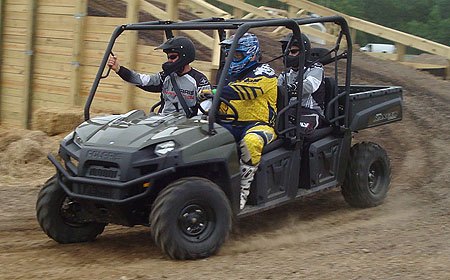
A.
x: 425, y: 18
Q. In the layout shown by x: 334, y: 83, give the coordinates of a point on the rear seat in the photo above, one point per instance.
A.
x: 330, y: 92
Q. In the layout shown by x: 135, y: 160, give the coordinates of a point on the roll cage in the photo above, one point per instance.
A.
x: 339, y: 101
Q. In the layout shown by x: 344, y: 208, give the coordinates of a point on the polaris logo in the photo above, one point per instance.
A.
x: 385, y: 117
x: 103, y: 155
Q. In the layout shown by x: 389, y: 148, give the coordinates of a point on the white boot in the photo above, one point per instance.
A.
x: 247, y: 175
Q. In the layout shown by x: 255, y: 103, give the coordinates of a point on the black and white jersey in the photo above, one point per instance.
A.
x: 313, y: 86
x: 190, y: 85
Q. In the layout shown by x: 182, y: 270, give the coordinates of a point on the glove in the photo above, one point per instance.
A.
x: 292, y: 89
x: 205, y: 94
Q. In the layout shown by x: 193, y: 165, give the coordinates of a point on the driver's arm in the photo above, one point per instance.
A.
x: 148, y: 82
x: 203, y: 85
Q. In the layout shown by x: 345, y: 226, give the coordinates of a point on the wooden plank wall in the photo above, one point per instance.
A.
x: 53, y: 56
x: 13, y: 55
x: 53, y: 63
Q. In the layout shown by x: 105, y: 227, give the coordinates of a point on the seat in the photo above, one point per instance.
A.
x: 282, y: 101
x: 282, y: 98
x: 329, y: 111
x: 330, y: 92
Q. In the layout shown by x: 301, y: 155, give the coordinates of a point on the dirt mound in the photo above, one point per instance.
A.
x: 23, y: 155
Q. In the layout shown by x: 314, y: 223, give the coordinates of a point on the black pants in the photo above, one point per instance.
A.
x: 309, y: 120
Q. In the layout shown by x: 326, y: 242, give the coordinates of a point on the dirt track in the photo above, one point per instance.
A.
x: 317, y: 238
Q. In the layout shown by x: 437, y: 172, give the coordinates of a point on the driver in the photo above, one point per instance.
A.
x: 180, y: 52
x: 252, y: 89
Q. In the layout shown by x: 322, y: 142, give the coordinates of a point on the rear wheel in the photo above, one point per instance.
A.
x: 190, y: 219
x: 368, y: 176
x: 61, y: 217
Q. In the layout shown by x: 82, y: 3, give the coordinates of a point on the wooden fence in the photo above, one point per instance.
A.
x: 50, y: 50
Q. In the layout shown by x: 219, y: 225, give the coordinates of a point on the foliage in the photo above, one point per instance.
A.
x: 429, y: 19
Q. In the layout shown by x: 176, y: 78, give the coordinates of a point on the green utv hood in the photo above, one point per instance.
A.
x: 136, y: 130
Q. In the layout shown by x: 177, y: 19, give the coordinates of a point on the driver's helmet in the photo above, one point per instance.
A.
x: 248, y: 45
x: 185, y: 49
x: 293, y: 61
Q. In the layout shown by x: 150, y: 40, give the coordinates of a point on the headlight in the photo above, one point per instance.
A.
x: 165, y: 147
x: 77, y: 139
x: 69, y: 136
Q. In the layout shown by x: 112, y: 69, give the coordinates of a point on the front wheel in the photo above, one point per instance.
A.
x: 368, y: 176
x: 190, y: 219
x: 61, y: 217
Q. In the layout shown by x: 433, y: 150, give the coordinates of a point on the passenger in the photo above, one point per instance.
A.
x: 180, y: 53
x: 252, y: 89
x: 312, y: 102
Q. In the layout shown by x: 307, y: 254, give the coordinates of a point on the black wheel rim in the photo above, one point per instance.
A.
x: 70, y: 213
x: 196, y: 222
x: 375, y: 177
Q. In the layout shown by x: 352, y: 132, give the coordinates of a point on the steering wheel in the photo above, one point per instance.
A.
x: 227, y: 118
x: 224, y: 118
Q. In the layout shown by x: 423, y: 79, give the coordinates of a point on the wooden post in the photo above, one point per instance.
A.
x: 2, y: 19
x: 173, y: 13
x: 401, y: 51
x: 77, y: 55
x: 238, y: 13
x: 172, y: 9
x: 215, y: 63
x: 353, y: 32
x: 29, y: 58
x: 292, y: 11
x: 131, y: 50
x: 447, y: 71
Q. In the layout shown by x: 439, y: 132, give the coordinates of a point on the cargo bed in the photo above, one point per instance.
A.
x: 372, y: 106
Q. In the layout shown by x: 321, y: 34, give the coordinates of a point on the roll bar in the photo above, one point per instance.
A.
x: 220, y: 24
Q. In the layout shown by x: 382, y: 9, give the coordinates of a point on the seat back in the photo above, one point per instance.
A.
x: 321, y: 55
x: 282, y: 102
x: 330, y: 110
x: 281, y: 120
x: 282, y: 97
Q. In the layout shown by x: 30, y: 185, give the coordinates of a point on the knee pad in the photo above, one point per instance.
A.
x: 251, y: 147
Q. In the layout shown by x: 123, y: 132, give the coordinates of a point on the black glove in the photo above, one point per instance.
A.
x: 292, y: 89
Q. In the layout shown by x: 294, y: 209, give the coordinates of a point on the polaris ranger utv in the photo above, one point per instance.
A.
x: 181, y: 176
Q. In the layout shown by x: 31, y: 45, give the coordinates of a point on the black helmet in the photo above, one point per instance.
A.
x: 291, y: 61
x: 185, y: 49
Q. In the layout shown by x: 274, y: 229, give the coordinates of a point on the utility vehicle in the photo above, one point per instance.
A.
x: 180, y: 176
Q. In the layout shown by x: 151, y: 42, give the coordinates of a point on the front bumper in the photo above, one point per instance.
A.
x: 104, y: 190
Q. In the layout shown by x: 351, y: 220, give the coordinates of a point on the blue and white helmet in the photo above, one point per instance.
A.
x: 248, y: 45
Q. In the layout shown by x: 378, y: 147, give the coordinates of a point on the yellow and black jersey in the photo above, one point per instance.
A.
x: 254, y: 95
